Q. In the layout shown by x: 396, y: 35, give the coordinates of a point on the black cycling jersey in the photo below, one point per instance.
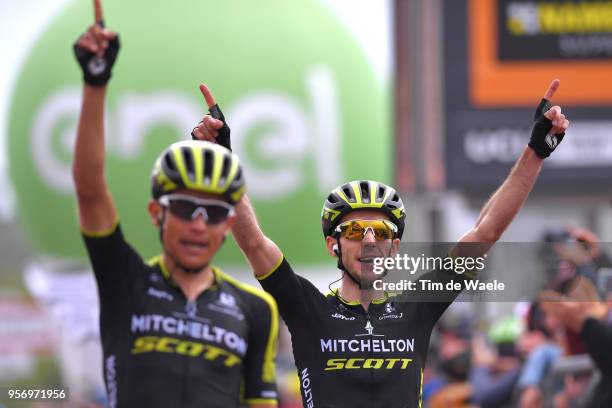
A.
x: 349, y: 357
x: 161, y: 350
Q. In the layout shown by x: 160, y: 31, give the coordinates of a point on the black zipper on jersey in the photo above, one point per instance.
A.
x: 184, y: 382
x: 368, y: 321
x: 189, y: 305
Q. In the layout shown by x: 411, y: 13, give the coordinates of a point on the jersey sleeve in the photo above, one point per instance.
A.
x: 436, y: 302
x: 597, y: 337
x: 433, y: 303
x: 291, y: 291
x: 260, y: 366
x: 111, y: 258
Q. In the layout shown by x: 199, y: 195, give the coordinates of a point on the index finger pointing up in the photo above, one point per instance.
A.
x: 98, y: 11
x: 210, y: 99
x: 552, y: 88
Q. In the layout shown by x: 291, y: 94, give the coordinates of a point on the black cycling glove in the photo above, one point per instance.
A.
x: 223, y: 138
x: 97, y: 69
x: 541, y: 141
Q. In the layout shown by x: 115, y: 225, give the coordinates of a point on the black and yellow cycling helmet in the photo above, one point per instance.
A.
x: 362, y: 195
x: 199, y: 166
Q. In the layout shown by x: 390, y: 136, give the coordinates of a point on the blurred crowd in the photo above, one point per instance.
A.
x: 551, y: 352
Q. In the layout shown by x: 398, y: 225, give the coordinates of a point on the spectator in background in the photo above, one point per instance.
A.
x: 575, y: 252
x: 541, y: 344
x: 449, y: 385
x: 494, y: 372
x: 592, y: 319
x: 576, y: 265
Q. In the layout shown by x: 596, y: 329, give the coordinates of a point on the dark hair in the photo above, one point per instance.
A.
x: 536, y: 320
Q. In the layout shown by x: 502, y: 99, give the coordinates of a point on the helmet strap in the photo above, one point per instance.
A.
x: 341, y: 264
x: 162, y: 222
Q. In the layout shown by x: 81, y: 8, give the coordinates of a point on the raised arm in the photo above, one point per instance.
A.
x: 262, y: 253
x: 548, y: 131
x: 96, y: 51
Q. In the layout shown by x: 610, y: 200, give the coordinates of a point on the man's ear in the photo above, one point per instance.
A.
x: 332, y: 246
x: 227, y: 227
x: 230, y: 221
x: 155, y: 212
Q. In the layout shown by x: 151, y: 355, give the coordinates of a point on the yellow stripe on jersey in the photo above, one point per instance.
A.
x: 261, y: 401
x: 421, y: 391
x: 267, y: 274
x: 159, y: 259
x: 101, y: 234
x: 269, y: 364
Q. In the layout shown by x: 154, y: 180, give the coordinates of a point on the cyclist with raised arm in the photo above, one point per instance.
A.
x: 176, y: 331
x: 357, y: 347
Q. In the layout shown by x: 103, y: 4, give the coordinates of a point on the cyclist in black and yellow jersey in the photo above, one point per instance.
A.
x: 176, y: 331
x: 356, y: 347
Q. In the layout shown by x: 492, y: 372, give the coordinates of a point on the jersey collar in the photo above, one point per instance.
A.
x: 336, y: 293
x: 165, y: 272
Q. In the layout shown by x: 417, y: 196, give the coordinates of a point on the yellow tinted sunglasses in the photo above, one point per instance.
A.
x: 356, y: 230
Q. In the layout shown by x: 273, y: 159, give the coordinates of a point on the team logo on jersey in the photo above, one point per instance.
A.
x: 226, y: 304
x: 160, y: 294
x: 227, y: 300
x: 370, y: 331
x: 342, y: 317
x: 175, y: 330
x: 390, y: 313
x: 367, y: 363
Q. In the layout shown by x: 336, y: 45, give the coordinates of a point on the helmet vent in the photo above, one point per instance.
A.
x: 332, y: 199
x: 208, y: 165
x: 348, y: 193
x: 238, y: 178
x: 188, y: 157
x: 380, y: 194
x: 225, y: 169
x: 395, y: 197
x: 169, y: 162
x: 365, y: 192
